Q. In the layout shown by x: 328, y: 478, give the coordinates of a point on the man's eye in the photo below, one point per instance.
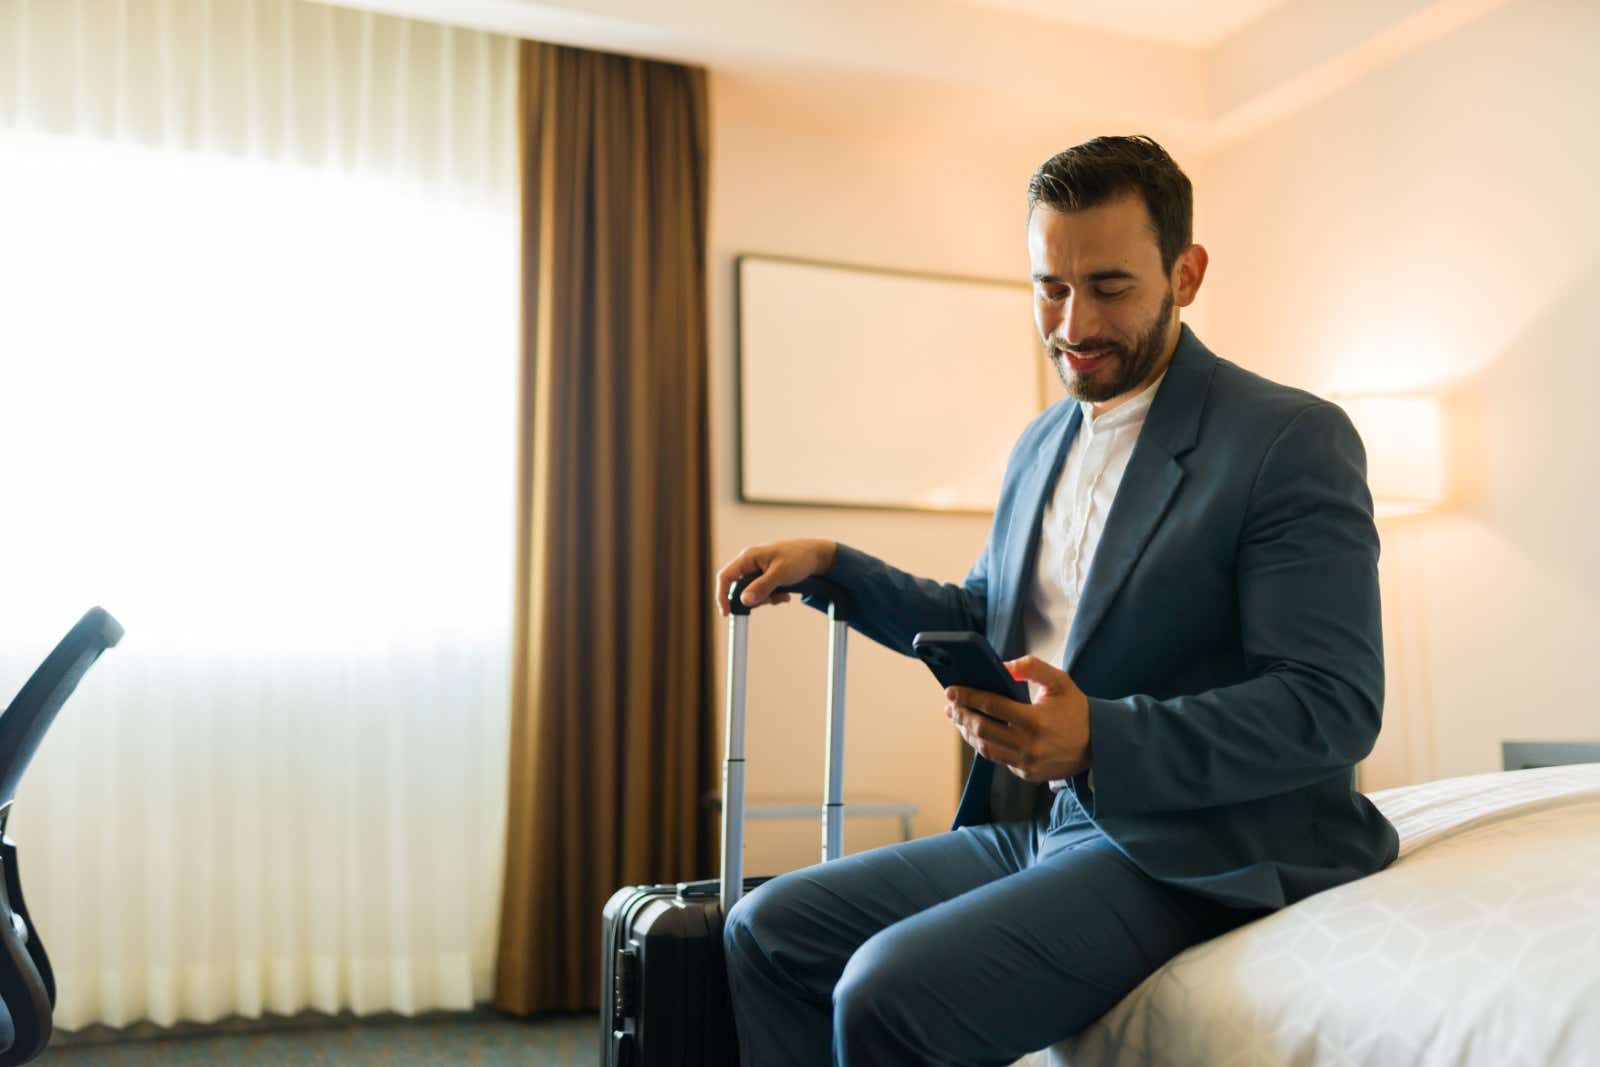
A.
x: 1111, y: 294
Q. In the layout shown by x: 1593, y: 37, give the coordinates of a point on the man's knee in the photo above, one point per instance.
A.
x: 741, y: 928
x: 760, y: 920
x: 880, y: 991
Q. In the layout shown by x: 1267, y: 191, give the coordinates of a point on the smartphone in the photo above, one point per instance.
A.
x: 965, y: 658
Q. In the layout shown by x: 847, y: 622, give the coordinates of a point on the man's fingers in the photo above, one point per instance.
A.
x: 984, y: 735
x: 746, y: 563
x: 976, y: 699
x: 1034, y: 669
x: 991, y: 704
x: 770, y: 567
x: 766, y: 589
x: 984, y: 727
x: 756, y: 592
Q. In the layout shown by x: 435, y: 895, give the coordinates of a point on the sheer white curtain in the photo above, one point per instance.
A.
x: 258, y: 313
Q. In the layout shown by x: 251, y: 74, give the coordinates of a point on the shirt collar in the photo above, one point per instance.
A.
x: 1124, y: 413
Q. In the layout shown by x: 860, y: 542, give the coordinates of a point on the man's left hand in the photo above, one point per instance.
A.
x: 1037, y: 742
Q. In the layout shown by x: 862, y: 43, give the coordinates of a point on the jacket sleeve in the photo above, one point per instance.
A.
x: 1307, y: 580
x: 891, y: 607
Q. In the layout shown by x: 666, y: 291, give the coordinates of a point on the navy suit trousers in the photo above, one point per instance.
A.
x: 975, y: 946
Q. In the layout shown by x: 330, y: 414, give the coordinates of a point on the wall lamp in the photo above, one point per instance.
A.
x: 1404, y: 435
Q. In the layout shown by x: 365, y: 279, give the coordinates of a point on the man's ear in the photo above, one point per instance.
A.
x: 1187, y: 274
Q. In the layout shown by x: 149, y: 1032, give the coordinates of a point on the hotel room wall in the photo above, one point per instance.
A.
x: 883, y: 176
x: 1434, y: 227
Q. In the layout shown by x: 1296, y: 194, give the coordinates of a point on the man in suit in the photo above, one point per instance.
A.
x: 1183, y: 566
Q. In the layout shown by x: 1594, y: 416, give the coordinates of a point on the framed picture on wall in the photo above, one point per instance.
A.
x: 873, y: 388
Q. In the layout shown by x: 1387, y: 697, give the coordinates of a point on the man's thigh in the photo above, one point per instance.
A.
x: 1023, y: 961
x: 809, y: 922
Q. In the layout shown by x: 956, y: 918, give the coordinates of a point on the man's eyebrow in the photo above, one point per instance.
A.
x: 1113, y: 275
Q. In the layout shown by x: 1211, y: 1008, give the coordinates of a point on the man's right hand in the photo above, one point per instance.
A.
x: 780, y: 563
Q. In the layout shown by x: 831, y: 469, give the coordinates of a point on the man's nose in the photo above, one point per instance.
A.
x: 1079, y: 321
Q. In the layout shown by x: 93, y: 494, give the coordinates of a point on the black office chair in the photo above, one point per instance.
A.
x: 27, y: 984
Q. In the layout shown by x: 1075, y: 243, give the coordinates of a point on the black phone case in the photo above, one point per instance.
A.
x: 965, y: 658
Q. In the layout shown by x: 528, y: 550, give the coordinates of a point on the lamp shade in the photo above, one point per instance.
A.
x: 1404, y: 436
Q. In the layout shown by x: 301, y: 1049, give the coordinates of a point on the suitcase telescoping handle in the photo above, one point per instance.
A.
x: 733, y: 766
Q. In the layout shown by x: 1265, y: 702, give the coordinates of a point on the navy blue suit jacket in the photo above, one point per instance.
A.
x: 1228, y: 636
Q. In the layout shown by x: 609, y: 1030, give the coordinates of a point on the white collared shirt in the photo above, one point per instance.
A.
x: 1073, y: 520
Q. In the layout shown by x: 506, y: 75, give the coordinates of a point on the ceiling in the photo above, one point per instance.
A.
x: 1180, y: 22
x: 1196, y: 73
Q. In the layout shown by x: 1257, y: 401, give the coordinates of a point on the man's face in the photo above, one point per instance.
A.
x: 1103, y: 305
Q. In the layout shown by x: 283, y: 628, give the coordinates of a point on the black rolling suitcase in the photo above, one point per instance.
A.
x: 663, y: 987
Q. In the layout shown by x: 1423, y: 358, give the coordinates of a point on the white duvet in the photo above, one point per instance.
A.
x: 1478, y: 947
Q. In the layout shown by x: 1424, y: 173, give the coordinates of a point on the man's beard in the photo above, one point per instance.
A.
x: 1129, y: 365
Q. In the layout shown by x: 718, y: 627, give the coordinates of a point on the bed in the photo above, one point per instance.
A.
x: 1479, y: 946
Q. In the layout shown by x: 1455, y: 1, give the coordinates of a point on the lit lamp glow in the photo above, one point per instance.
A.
x: 1405, y: 450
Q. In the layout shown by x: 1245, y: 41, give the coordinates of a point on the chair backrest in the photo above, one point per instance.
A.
x: 27, y: 982
x: 24, y: 722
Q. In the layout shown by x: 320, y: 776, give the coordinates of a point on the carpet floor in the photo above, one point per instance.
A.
x: 479, y: 1039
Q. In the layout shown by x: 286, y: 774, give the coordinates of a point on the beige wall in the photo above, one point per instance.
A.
x: 1430, y: 226
x: 883, y: 176
x: 1435, y: 226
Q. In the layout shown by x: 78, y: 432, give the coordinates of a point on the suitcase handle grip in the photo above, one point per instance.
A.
x: 817, y: 588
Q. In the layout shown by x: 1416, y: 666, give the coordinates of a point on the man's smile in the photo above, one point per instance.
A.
x: 1086, y: 360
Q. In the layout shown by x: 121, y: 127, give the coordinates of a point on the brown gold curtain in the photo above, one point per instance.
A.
x: 611, y: 721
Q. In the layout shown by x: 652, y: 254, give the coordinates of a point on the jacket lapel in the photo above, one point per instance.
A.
x: 1023, y: 544
x: 1148, y: 485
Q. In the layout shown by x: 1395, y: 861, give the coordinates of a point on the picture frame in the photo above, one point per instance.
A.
x: 866, y: 387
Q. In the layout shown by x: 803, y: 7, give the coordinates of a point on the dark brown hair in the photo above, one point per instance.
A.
x: 1094, y: 172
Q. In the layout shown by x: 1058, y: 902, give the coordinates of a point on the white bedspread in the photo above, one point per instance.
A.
x: 1478, y: 947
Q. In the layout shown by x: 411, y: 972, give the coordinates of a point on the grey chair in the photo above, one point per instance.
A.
x: 27, y: 983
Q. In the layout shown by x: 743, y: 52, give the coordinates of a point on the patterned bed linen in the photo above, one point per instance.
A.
x: 1479, y: 946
